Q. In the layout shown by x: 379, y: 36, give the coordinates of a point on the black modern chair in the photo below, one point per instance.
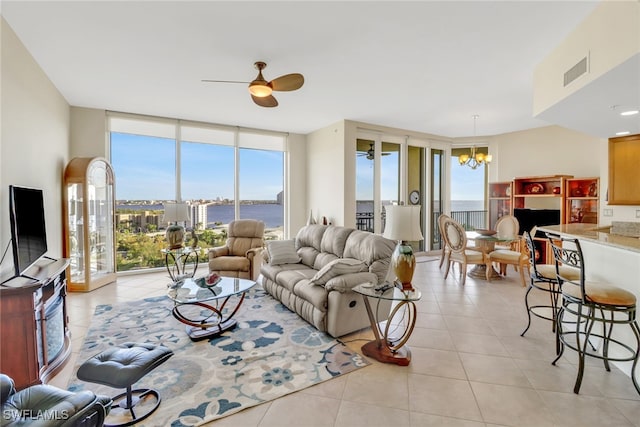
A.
x: 543, y: 277
x: 49, y: 406
x: 589, y: 303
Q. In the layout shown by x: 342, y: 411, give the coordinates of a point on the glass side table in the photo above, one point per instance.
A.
x: 176, y: 261
x: 386, y: 348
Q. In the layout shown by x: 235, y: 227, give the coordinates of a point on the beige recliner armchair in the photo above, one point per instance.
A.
x: 241, y: 256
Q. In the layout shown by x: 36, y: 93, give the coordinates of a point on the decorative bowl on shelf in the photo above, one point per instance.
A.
x: 485, y: 232
x: 535, y: 188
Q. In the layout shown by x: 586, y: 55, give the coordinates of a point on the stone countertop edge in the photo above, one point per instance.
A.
x: 596, y: 234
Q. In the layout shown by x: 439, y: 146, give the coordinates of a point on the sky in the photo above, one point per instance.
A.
x: 145, y: 169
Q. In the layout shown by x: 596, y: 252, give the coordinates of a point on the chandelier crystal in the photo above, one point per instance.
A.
x: 474, y: 159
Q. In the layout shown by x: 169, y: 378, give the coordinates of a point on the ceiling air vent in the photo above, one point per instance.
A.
x: 576, y: 71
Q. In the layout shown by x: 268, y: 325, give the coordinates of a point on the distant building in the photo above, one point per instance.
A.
x: 137, y: 222
x: 280, y: 198
x: 198, y: 216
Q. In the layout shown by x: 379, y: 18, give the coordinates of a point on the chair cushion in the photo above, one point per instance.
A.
x: 505, y: 255
x: 282, y: 252
x: 473, y: 257
x: 601, y: 293
x: 229, y: 263
x: 548, y: 271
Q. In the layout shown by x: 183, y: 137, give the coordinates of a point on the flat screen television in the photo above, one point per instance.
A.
x: 528, y: 218
x: 28, y: 233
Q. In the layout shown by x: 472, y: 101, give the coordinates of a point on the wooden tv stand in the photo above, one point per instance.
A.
x: 31, y: 308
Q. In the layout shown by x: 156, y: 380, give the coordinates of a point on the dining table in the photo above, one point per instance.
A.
x: 487, y: 244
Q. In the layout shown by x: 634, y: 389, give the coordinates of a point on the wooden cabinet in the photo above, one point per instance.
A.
x: 34, y: 327
x: 499, y: 201
x: 88, y: 222
x: 624, y: 173
x: 581, y: 201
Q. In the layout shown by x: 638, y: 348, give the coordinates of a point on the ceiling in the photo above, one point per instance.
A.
x: 424, y: 66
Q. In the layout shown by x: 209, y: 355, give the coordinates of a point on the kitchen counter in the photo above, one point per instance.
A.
x: 596, y: 234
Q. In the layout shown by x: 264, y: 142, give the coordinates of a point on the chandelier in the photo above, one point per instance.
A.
x: 474, y: 159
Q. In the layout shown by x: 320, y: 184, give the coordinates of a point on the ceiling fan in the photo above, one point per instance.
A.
x: 260, y: 89
x: 370, y: 153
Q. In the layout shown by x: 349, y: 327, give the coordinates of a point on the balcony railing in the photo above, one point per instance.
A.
x: 470, y: 220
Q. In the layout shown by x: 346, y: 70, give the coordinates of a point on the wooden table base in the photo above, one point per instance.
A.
x: 382, y: 353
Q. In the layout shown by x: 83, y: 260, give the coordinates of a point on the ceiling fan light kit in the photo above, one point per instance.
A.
x: 261, y: 89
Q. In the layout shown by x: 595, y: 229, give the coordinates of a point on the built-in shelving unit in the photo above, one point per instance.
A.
x: 499, y: 201
x: 582, y: 201
x: 541, y: 193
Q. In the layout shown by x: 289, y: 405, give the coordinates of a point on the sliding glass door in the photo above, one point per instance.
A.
x: 378, y: 165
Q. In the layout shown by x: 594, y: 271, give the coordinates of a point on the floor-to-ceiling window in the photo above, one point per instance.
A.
x: 222, y: 173
x: 468, y: 191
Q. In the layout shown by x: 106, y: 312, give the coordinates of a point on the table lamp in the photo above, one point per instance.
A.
x: 175, y: 212
x: 403, y: 225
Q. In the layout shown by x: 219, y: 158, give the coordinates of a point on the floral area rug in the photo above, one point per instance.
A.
x: 270, y: 353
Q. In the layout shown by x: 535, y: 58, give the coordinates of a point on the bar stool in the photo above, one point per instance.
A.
x: 543, y: 278
x: 591, y: 303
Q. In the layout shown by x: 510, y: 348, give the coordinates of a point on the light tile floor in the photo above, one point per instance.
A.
x: 470, y: 366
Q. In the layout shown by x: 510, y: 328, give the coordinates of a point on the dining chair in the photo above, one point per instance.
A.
x: 507, y: 225
x: 444, y: 253
x: 588, y: 303
x: 505, y: 257
x: 459, y: 252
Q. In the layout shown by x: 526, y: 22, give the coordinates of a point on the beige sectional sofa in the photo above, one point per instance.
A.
x: 314, y: 276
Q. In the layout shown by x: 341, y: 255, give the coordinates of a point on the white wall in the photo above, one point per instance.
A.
x: 34, y: 140
x: 297, y: 160
x: 548, y: 150
x: 608, y: 36
x: 326, y: 173
x: 88, y: 133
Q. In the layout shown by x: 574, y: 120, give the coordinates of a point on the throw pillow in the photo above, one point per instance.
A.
x: 336, y: 268
x: 282, y: 252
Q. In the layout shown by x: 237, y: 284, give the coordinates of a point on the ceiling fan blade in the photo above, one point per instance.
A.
x: 222, y: 81
x: 287, y: 82
x: 265, y: 101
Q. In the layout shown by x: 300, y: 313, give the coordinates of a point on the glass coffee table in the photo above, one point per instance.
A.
x: 193, y: 300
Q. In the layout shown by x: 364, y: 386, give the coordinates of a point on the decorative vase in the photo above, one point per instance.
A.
x: 175, y: 236
x: 404, y: 263
x: 311, y: 220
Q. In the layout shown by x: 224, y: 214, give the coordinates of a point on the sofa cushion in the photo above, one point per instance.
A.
x: 310, y: 236
x: 290, y: 278
x: 374, y: 250
x: 338, y: 267
x: 282, y: 252
x: 272, y: 271
x: 333, y: 240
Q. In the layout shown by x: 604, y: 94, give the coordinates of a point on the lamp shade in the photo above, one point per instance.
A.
x: 176, y: 212
x: 403, y: 223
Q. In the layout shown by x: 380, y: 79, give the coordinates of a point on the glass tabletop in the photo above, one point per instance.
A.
x: 472, y: 235
x: 180, y: 251
x: 197, y: 290
x: 387, y: 291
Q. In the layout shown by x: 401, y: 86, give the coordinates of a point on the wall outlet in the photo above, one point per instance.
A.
x: 637, y: 213
x: 608, y: 212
